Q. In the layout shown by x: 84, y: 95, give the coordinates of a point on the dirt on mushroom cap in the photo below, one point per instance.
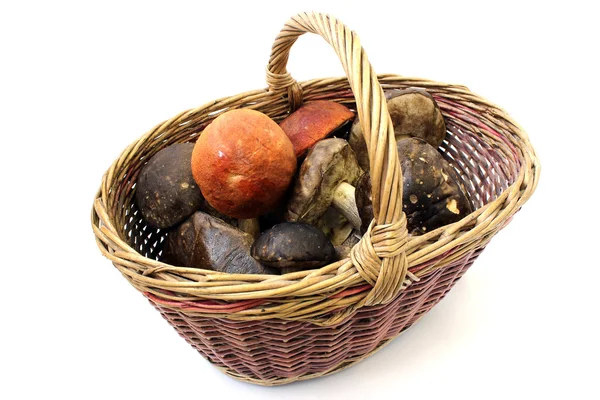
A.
x: 432, y: 197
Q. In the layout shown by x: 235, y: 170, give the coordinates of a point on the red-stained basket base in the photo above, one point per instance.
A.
x: 275, y: 351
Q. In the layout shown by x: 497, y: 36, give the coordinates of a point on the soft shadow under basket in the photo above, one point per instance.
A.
x: 271, y: 330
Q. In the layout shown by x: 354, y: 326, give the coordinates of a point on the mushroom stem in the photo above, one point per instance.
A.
x: 344, y: 202
x: 250, y: 226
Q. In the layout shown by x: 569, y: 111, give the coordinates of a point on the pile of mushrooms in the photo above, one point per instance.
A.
x: 251, y: 196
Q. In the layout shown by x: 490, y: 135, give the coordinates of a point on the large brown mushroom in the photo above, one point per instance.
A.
x: 293, y: 246
x: 432, y: 196
x: 313, y: 122
x: 326, y: 178
x: 166, y: 192
x: 243, y: 163
x: 206, y: 242
x: 414, y: 113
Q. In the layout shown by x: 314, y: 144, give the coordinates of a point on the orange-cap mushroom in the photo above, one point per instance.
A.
x: 243, y: 163
x: 314, y: 121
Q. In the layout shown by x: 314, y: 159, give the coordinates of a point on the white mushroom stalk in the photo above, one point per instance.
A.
x: 344, y: 202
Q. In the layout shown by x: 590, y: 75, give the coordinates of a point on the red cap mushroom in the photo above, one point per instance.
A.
x: 243, y: 163
x: 314, y: 121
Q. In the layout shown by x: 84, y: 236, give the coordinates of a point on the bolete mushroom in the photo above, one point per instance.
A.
x: 166, y: 192
x: 203, y: 241
x: 313, y: 122
x: 293, y: 246
x: 432, y: 195
x: 326, y: 178
x: 243, y: 163
x: 414, y: 113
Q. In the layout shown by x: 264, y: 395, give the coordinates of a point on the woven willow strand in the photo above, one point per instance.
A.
x: 385, y: 261
x: 310, y: 295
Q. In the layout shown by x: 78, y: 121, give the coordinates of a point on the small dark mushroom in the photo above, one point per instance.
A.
x: 206, y: 242
x: 414, y: 113
x: 293, y: 246
x: 326, y: 178
x: 166, y: 192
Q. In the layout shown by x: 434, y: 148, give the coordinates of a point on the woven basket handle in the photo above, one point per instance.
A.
x: 380, y: 256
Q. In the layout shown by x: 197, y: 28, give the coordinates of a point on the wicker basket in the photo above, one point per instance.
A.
x: 272, y: 330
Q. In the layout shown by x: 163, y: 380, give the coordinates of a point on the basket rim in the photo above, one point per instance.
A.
x: 475, y: 229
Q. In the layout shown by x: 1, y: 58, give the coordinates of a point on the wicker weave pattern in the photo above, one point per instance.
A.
x: 286, y: 351
x: 490, y: 152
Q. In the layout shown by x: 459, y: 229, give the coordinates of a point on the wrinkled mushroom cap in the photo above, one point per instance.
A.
x: 432, y: 195
x: 166, y: 192
x: 313, y: 122
x: 293, y: 245
x: 414, y: 113
x: 329, y: 163
x: 205, y: 242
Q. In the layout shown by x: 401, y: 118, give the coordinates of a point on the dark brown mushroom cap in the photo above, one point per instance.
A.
x: 329, y: 163
x: 206, y: 242
x: 414, y: 113
x: 432, y: 197
x: 293, y: 245
x: 166, y: 192
x: 364, y: 201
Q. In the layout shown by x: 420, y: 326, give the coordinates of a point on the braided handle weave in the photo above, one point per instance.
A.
x: 380, y: 256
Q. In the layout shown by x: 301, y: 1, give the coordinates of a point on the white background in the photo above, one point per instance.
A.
x: 79, y: 81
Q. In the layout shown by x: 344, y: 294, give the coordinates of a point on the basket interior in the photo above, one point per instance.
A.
x: 485, y: 163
